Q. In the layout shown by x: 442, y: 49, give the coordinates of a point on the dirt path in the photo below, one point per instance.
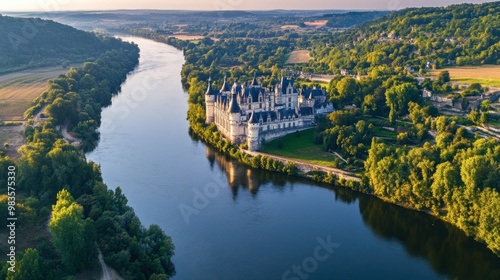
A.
x: 107, y: 272
x: 307, y: 167
x: 13, y: 136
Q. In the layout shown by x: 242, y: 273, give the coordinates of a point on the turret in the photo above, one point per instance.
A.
x: 210, y: 96
x: 253, y: 133
x: 234, y: 111
x: 254, y: 81
x: 225, y: 86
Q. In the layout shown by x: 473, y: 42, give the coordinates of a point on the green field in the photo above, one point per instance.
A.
x: 380, y: 132
x: 300, y: 146
x: 483, y: 82
x: 310, y: 84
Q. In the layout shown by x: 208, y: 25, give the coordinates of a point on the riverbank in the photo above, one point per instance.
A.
x: 305, y: 169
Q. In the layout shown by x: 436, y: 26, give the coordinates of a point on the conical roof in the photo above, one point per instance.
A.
x: 233, y: 105
x: 254, y: 81
x: 210, y: 90
x: 253, y: 118
x: 225, y: 85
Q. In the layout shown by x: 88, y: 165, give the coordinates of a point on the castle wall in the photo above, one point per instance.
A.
x: 275, y: 134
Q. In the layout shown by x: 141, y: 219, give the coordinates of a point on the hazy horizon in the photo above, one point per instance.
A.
x: 194, y: 5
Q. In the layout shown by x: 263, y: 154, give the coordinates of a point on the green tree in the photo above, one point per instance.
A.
x: 68, y: 232
x: 28, y: 267
x: 444, y: 77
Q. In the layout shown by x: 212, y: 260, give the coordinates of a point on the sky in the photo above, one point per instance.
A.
x: 65, y: 5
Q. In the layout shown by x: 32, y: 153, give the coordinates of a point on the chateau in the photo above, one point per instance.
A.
x: 253, y: 114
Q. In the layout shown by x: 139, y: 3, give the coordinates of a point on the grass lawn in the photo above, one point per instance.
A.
x: 301, y: 147
x: 310, y: 84
x: 380, y: 132
x: 495, y: 123
x: 483, y: 82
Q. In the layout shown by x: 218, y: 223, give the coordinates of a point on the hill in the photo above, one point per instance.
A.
x: 464, y: 34
x: 33, y: 42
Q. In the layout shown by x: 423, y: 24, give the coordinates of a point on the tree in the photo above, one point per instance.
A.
x: 444, y: 77
x: 398, y: 96
x: 28, y: 267
x: 485, y: 105
x: 346, y: 90
x: 68, y: 231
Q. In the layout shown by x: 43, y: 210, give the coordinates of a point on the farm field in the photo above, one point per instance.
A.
x: 316, y: 23
x: 486, y: 75
x: 299, y: 56
x: 17, y: 90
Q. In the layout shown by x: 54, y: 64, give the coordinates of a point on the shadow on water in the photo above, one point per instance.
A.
x: 445, y: 247
x: 448, y: 250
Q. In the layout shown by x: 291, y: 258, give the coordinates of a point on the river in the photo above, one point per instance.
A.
x: 231, y: 222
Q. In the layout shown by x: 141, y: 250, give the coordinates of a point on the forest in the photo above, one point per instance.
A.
x: 56, y: 184
x: 33, y: 42
x: 420, y: 38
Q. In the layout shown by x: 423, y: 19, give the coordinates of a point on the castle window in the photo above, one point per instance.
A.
x: 249, y: 107
x: 260, y: 105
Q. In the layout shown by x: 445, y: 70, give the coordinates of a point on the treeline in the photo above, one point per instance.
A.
x: 75, y: 99
x: 86, y: 215
x: 240, y: 58
x: 455, y: 179
x: 463, y: 34
x: 33, y: 42
x: 350, y: 19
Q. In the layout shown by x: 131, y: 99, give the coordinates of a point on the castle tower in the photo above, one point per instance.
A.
x: 210, y: 102
x: 253, y: 133
x: 225, y: 89
x: 254, y: 81
x: 234, y: 111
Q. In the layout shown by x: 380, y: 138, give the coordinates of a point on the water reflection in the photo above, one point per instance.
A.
x: 240, y: 177
x: 445, y: 247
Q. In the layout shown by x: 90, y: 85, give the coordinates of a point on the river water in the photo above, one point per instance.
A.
x: 231, y: 222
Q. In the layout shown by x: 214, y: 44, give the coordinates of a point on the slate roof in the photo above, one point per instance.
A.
x: 306, y: 111
x: 253, y: 92
x: 233, y: 105
x: 255, y: 117
x: 284, y: 84
x: 254, y: 81
x: 312, y: 92
x: 210, y: 89
x: 225, y: 86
